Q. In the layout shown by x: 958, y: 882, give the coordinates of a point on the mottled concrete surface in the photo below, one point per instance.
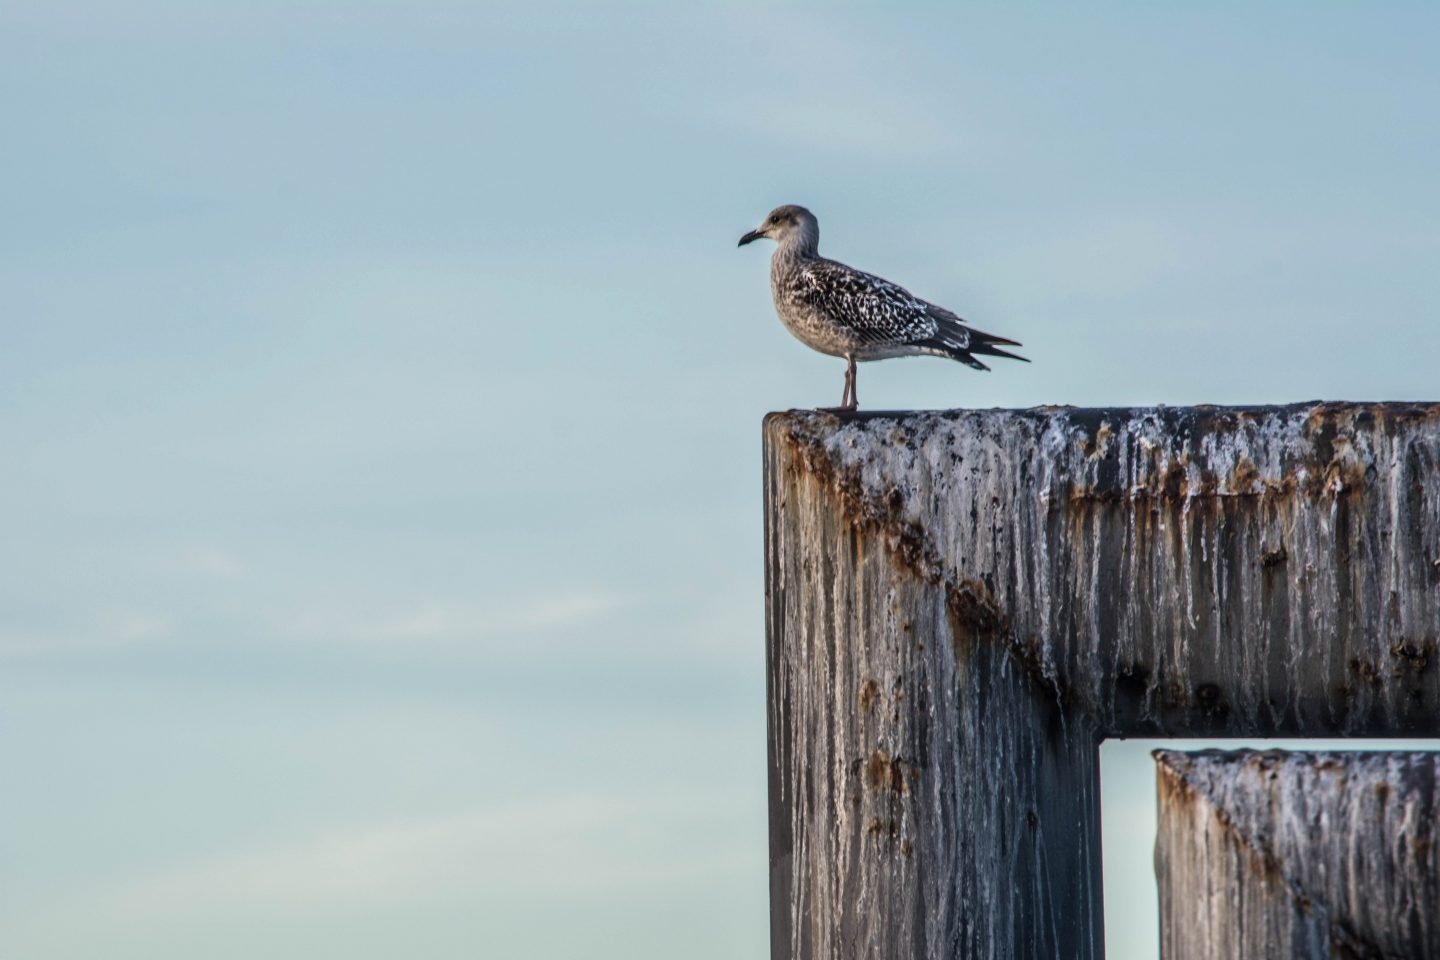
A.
x: 1298, y: 855
x: 962, y: 604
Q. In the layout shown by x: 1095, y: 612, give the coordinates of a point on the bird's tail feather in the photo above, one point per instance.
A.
x: 991, y: 338
x: 985, y: 349
x: 961, y: 341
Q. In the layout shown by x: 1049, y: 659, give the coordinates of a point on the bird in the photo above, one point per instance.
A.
x: 848, y: 313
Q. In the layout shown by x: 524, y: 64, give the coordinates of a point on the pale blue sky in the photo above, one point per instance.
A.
x: 380, y: 397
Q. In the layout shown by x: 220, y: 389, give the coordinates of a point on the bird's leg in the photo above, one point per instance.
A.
x: 847, y: 398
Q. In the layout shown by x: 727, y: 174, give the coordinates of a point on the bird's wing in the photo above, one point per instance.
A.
x: 876, y: 310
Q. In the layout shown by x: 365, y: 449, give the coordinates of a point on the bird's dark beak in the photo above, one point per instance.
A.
x: 752, y: 235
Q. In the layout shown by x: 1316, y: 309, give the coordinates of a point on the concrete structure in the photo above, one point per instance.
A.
x: 962, y: 604
x: 1290, y: 856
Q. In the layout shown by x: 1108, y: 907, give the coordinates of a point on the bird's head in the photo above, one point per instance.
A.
x: 789, y: 226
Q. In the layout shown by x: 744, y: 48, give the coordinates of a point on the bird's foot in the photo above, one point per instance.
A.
x: 844, y: 408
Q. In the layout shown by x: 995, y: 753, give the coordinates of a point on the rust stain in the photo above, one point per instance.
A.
x: 1246, y: 476
x: 869, y: 691
x: 1210, y: 698
x: 1273, y: 558
x: 877, y: 827
x: 881, y: 772
x: 970, y: 603
x: 1175, y: 696
x: 1173, y: 790
x: 1079, y: 493
x: 1331, y: 467
x: 1413, y: 656
x: 1367, y: 670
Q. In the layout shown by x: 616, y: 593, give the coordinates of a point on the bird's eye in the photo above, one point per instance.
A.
x: 775, y: 219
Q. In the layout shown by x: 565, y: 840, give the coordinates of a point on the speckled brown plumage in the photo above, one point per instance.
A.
x: 844, y: 312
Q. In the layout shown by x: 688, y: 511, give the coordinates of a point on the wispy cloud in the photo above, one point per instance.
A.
x: 579, y: 846
x: 111, y: 630
x: 442, y: 625
x: 213, y: 562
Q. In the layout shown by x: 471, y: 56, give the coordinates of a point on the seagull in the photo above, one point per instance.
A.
x: 848, y: 313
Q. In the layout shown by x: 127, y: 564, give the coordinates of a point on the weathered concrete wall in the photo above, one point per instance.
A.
x: 886, y: 747
x: 962, y: 604
x: 1308, y: 856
